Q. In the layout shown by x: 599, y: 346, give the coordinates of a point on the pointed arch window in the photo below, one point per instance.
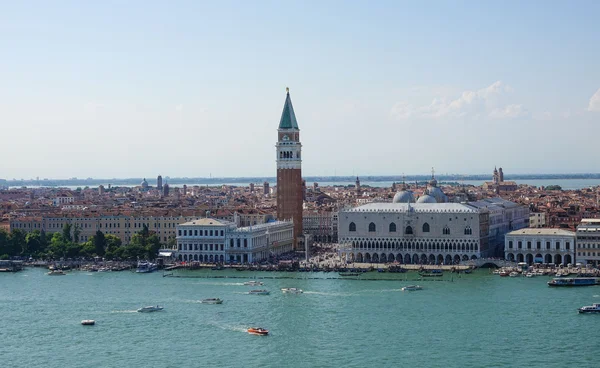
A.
x: 425, y: 227
x: 392, y: 227
x: 408, y: 230
x: 372, y: 227
x: 446, y: 230
x: 352, y: 227
x: 468, y: 231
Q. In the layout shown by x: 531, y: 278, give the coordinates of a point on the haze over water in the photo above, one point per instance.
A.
x: 477, y: 320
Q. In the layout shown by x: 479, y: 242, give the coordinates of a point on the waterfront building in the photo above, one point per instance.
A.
x: 540, y: 246
x: 588, y: 242
x: 63, y: 198
x: 426, y: 232
x: 289, y: 170
x: 212, y: 240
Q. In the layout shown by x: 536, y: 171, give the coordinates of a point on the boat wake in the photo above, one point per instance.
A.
x: 124, y: 311
x: 329, y: 293
x: 236, y: 328
x: 221, y: 283
x: 596, y: 296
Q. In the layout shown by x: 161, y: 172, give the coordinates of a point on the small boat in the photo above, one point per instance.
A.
x: 468, y: 270
x: 349, y: 274
x: 514, y: 274
x: 504, y: 273
x: 431, y: 273
x: 211, y: 301
x: 292, y: 290
x: 259, y: 292
x: 56, y: 273
x: 104, y: 269
x: 412, y: 288
x: 88, y: 322
x: 594, y: 308
x: 529, y: 274
x: 146, y: 267
x: 253, y: 283
x: 258, y: 331
x: 150, y: 309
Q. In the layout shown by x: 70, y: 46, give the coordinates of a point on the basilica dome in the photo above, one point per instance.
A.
x: 426, y: 198
x: 437, y: 193
x: 404, y: 196
x: 144, y: 184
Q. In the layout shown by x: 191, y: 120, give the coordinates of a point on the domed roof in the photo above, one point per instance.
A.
x: 437, y: 193
x: 144, y: 183
x: 404, y: 196
x: 426, y: 198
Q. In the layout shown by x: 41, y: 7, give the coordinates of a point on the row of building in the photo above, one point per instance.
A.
x: 555, y: 245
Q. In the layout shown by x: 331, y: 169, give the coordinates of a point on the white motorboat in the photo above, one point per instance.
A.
x: 594, y: 308
x: 259, y: 292
x: 56, y: 273
x: 146, y: 267
x: 150, y: 309
x: 253, y: 283
x: 529, y: 274
x: 88, y: 322
x: 514, y: 274
x: 292, y: 290
x: 412, y: 288
x: 211, y: 301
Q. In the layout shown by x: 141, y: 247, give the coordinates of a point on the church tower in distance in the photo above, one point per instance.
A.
x: 289, y: 169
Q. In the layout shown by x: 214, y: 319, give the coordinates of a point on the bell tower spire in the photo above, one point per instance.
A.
x: 289, y: 169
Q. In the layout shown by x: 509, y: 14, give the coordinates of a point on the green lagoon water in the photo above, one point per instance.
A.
x: 476, y: 320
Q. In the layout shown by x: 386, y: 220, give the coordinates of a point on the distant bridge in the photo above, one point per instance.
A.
x: 488, y: 262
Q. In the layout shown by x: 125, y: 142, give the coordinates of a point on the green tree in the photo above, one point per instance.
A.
x: 4, y: 236
x: 16, y: 242
x: 553, y: 187
x: 76, y: 233
x: 66, y: 233
x: 99, y: 243
x: 57, y: 247
x: 33, y: 244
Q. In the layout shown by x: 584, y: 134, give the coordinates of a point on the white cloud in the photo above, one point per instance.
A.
x: 510, y: 111
x: 595, y: 102
x: 485, y: 101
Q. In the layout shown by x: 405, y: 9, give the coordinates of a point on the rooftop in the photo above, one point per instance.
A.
x: 288, y: 118
x: 416, y: 207
x: 541, y: 231
x: 206, y: 221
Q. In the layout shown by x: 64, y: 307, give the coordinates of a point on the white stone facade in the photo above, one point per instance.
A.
x: 529, y: 245
x: 215, y: 241
x: 588, y: 242
x: 421, y: 233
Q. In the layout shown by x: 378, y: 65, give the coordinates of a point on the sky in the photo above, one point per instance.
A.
x: 115, y: 89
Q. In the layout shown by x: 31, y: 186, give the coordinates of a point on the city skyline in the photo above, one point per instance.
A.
x: 391, y: 88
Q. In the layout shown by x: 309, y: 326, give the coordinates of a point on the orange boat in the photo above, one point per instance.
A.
x: 258, y: 331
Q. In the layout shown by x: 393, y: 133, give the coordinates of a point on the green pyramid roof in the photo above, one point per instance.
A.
x: 288, y: 118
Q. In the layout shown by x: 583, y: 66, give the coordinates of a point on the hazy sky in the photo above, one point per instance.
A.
x: 138, y: 88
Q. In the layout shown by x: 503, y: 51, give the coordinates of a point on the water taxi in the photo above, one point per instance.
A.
x: 514, y: 274
x: 146, y: 267
x: 529, y: 274
x: 253, y: 283
x: 88, y: 322
x: 594, y: 308
x: 573, y: 281
x: 56, y: 273
x: 292, y: 290
x: 412, y: 288
x: 150, y: 309
x: 259, y: 292
x: 258, y: 331
x: 211, y: 301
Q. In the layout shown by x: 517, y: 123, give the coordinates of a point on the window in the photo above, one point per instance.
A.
x: 510, y: 244
x: 211, y: 233
x: 425, y: 227
x: 179, y: 232
x: 221, y: 232
x: 392, y: 227
x: 520, y: 244
x: 557, y: 245
x: 372, y: 227
x: 245, y: 243
x: 408, y: 230
x: 528, y: 245
x: 539, y: 245
x: 468, y: 230
x: 568, y: 245
x: 196, y: 232
x: 547, y: 245
x: 446, y: 230
x: 352, y: 227
x: 231, y: 243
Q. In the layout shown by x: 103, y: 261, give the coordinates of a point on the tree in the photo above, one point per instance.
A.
x: 553, y: 187
x: 57, y: 247
x: 34, y: 244
x: 99, y: 241
x: 66, y: 233
x: 76, y: 232
x: 16, y: 242
x: 4, y: 244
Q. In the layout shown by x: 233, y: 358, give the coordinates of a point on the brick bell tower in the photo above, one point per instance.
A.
x: 289, y: 169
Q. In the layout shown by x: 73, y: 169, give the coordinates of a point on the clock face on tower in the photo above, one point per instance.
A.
x: 286, y: 138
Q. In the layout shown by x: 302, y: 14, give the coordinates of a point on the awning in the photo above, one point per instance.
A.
x: 165, y: 254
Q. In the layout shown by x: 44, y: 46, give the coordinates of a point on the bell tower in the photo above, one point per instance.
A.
x: 289, y: 169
